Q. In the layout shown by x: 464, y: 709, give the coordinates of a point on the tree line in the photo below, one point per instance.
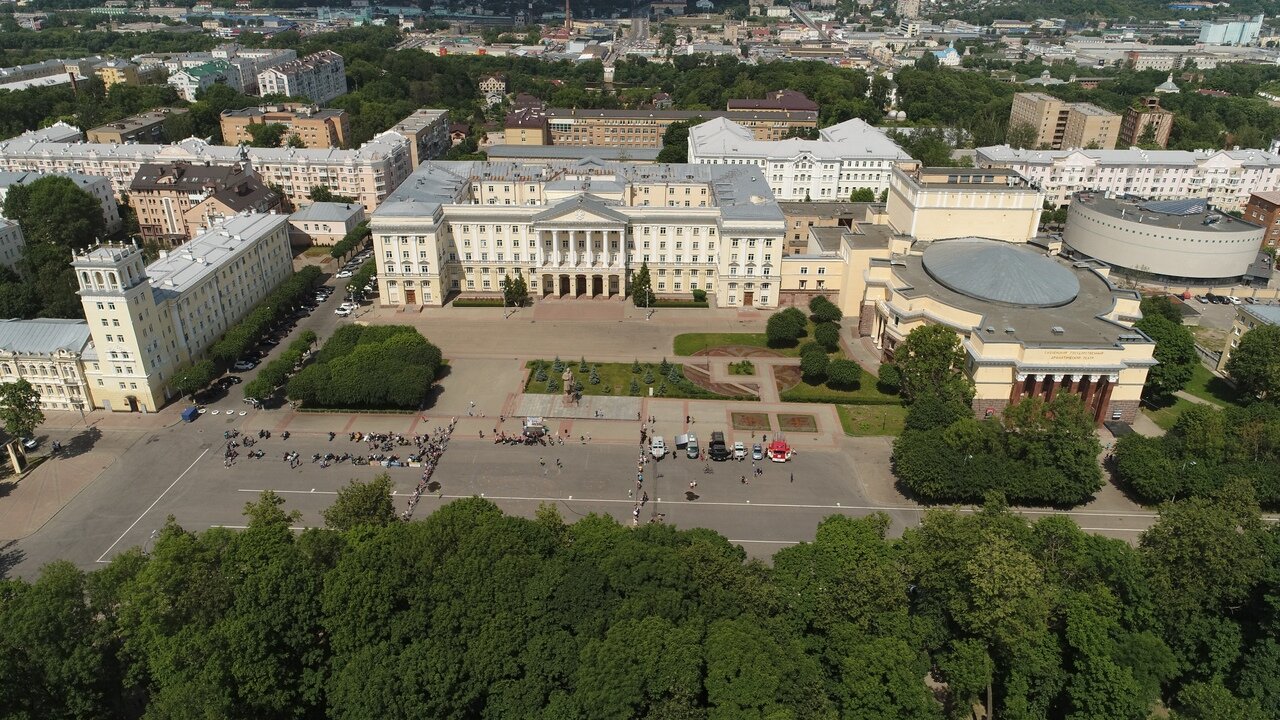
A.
x: 472, y: 613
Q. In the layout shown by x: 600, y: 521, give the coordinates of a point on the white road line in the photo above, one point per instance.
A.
x: 152, y: 505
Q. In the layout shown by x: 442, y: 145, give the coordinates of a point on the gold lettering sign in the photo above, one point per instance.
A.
x: 1071, y: 354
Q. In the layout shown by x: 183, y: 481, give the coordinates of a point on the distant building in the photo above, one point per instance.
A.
x: 315, y: 127
x: 324, y: 223
x: 190, y: 81
x: 11, y: 243
x: 1060, y: 124
x: 147, y: 127
x: 163, y: 196
x: 1247, y: 318
x: 492, y: 84
x: 777, y: 101
x: 937, y: 203
x: 149, y: 322
x: 1168, y: 86
x: 1263, y: 209
x: 97, y: 186
x: 1237, y: 32
x: 526, y: 126
x: 49, y: 353
x: 116, y: 72
x: 319, y: 77
x: 907, y: 8
x: 428, y: 134
x: 1149, y: 115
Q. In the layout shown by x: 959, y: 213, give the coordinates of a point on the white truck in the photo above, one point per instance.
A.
x: 657, y: 447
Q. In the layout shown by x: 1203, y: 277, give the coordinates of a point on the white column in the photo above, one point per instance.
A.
x: 555, y: 247
x: 591, y: 253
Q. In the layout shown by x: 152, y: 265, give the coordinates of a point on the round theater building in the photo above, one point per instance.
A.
x: 1170, y: 241
x: 1030, y: 323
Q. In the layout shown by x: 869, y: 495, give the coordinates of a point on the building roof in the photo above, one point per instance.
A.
x: 777, y: 100
x: 301, y: 111
x: 205, y: 254
x: 1266, y: 314
x: 1131, y: 156
x: 43, y: 336
x: 1191, y: 214
x: 184, y: 177
x: 8, y: 178
x: 850, y: 140
x: 1000, y: 272
x: 1272, y: 197
x: 768, y: 116
x: 211, y: 68
x: 327, y: 212
x: 139, y: 121
x: 249, y: 194
x: 569, y: 152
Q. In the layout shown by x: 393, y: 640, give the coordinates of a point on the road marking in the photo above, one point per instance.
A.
x: 152, y: 505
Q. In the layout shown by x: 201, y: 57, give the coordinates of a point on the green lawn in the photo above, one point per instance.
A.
x: 866, y: 394
x: 317, y: 251
x: 872, y: 420
x: 1207, y: 386
x: 690, y: 343
x: 615, y: 379
x: 1165, y: 415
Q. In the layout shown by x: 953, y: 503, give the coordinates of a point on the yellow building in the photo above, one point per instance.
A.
x: 116, y: 72
x: 935, y: 203
x: 148, y: 322
x: 49, y: 353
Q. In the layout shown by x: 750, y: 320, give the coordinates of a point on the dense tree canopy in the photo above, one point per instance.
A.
x: 1175, y: 351
x: 1254, y: 364
x: 471, y: 613
x: 376, y: 366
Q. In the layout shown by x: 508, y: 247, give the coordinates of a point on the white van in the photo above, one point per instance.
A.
x: 657, y: 446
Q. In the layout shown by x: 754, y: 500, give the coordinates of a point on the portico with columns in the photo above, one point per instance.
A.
x: 1094, y: 388
x: 583, y: 252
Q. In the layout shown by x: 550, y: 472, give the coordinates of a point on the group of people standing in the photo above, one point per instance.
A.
x: 430, y: 449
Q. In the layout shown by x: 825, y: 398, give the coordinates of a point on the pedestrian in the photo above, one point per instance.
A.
x: 630, y: 493
x: 559, y: 465
x: 686, y: 419
x: 793, y: 477
x: 743, y: 479
x: 693, y: 484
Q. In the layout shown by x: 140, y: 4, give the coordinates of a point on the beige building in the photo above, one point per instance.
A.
x: 935, y: 203
x: 1138, y: 119
x: 149, y: 322
x: 645, y: 128
x: 579, y: 229
x: 1247, y: 318
x: 1059, y: 124
x: 50, y: 354
x: 315, y: 127
x: 324, y: 223
x: 147, y: 127
x: 116, y: 72
x: 800, y: 216
x: 428, y: 134
x: 172, y: 201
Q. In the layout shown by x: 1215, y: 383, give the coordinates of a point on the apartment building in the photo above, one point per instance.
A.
x: 149, y: 322
x: 579, y: 229
x: 248, y: 63
x: 427, y: 131
x: 79, y: 67
x: 1146, y: 120
x: 116, y: 72
x: 1224, y: 177
x: 1059, y: 124
x: 324, y: 223
x: 173, y: 201
x: 190, y: 81
x: 50, y: 354
x: 1248, y: 317
x: 147, y: 127
x: 844, y: 158
x: 319, y: 77
x: 315, y: 127
x: 367, y: 174
x: 12, y: 242
x: 937, y: 203
x: 1263, y: 209
x: 645, y: 128
x: 94, y: 185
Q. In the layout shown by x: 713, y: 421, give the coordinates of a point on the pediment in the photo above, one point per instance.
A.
x: 584, y: 209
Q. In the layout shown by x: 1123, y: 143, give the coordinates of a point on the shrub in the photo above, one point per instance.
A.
x: 635, y: 387
x: 699, y: 295
x: 636, y: 367
x: 889, y: 379
x: 648, y: 376
x: 827, y: 335
x: 844, y: 374
x: 785, y: 327
x: 557, y: 365
x: 813, y: 366
x: 367, y: 367
x: 824, y: 311
x: 583, y: 367
x: 595, y: 376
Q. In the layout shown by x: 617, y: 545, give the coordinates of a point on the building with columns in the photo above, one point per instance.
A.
x: 49, y: 353
x: 579, y: 230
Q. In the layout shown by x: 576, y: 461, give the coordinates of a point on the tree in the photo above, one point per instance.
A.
x: 267, y: 512
x: 827, y: 335
x: 267, y: 135
x: 294, y: 141
x: 927, y: 61
x: 515, y: 291
x: 824, y: 311
x: 865, y: 195
x: 813, y: 366
x: 20, y: 409
x: 844, y: 374
x: 1021, y: 136
x: 1175, y: 355
x: 930, y: 359
x: 641, y: 288
x: 193, y: 379
x: 1255, y: 363
x: 1148, y: 140
x: 783, y: 329
x: 320, y: 193
x: 362, y: 503
x: 675, y: 141
x: 54, y: 210
x: 1162, y: 306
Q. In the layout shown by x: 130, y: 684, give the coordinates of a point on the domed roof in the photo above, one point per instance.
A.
x: 1001, y: 272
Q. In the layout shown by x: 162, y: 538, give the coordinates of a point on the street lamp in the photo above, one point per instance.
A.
x: 78, y: 404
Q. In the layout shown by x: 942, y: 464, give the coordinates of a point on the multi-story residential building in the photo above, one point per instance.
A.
x: 1146, y: 116
x: 116, y: 72
x: 190, y: 81
x: 148, y: 322
x: 526, y: 126
x: 367, y: 174
x: 1059, y: 124
x: 428, y: 134
x: 1247, y: 318
x: 174, y: 201
x: 907, y: 8
x: 324, y: 223
x: 1235, y: 32
x: 319, y: 77
x: 1263, y: 209
x: 492, y: 84
x: 99, y: 187
x: 11, y: 243
x: 1224, y: 177
x: 844, y: 158
x: 780, y: 101
x: 936, y: 203
x: 579, y: 229
x: 248, y: 63
x: 316, y: 128
x: 49, y: 353
x: 147, y: 127
x: 645, y: 128
x: 79, y: 68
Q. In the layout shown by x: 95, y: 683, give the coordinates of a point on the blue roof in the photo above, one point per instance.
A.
x: 1187, y: 206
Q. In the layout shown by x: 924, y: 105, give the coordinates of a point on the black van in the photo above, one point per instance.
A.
x: 718, y: 449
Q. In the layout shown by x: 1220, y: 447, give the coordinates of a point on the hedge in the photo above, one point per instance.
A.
x: 350, y: 241
x: 681, y: 304
x: 274, y: 374
x: 478, y: 302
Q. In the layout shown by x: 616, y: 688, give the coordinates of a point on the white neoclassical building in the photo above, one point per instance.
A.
x: 50, y: 354
x: 845, y: 157
x: 579, y: 229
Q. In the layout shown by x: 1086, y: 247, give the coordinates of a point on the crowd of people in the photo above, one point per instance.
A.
x: 430, y: 449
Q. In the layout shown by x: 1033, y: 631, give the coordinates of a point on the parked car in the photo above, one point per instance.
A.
x: 757, y: 452
x: 342, y: 312
x: 657, y: 446
x: 739, y: 451
x: 717, y: 449
x: 691, y: 447
x: 244, y: 365
x: 1251, y: 301
x: 344, y: 273
x: 1233, y: 299
x: 1202, y: 300
x: 229, y: 380
x: 29, y: 443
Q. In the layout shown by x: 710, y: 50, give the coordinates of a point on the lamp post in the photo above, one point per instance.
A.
x: 79, y: 405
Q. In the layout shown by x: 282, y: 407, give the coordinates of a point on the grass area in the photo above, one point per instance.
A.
x: 690, y: 343
x: 615, y: 379
x: 317, y: 251
x: 872, y: 420
x: 742, y: 367
x: 1166, y: 414
x: 867, y: 393
x: 1209, y: 337
x: 1207, y: 386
